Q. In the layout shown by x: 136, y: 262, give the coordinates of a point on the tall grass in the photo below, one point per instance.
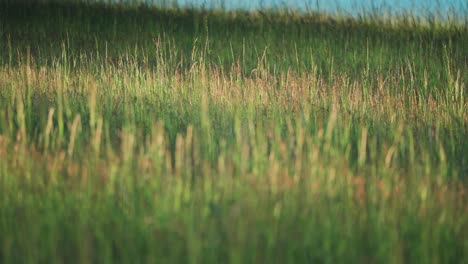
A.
x: 152, y: 135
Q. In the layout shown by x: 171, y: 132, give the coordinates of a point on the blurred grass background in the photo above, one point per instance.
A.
x: 131, y: 133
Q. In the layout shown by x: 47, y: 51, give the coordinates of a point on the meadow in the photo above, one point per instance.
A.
x: 133, y: 134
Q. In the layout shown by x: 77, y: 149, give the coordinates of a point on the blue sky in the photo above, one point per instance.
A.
x: 436, y: 7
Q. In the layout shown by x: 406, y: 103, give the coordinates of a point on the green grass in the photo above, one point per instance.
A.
x: 137, y: 134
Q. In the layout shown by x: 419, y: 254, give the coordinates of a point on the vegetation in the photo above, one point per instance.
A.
x: 135, y: 134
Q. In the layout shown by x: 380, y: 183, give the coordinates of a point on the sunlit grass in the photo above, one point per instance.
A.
x: 144, y: 135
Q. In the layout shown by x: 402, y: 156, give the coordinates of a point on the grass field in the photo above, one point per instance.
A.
x: 144, y: 135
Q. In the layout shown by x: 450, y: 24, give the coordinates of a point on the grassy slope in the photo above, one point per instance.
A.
x: 143, y: 135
